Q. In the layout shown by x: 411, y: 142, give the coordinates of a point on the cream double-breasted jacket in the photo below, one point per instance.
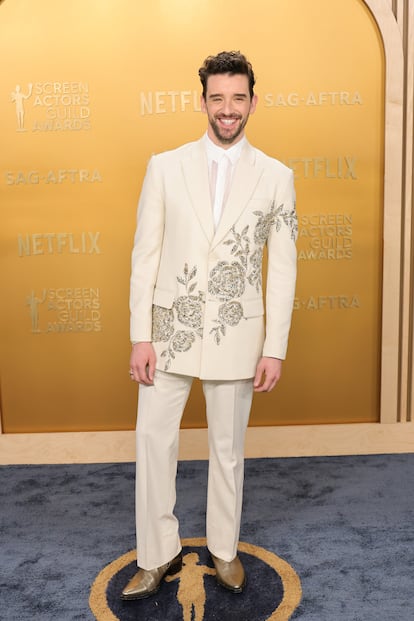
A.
x: 196, y: 293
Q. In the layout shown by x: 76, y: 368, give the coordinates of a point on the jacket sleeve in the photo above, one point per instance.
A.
x: 281, y: 272
x: 146, y: 253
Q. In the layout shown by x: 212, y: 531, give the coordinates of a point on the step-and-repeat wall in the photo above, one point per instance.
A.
x: 88, y: 91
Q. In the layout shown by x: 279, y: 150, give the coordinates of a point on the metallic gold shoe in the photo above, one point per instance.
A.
x: 147, y: 581
x: 230, y: 574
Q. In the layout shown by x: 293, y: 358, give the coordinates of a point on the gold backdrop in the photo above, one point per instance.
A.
x: 88, y: 91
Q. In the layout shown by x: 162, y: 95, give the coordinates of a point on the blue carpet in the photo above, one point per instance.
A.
x: 345, y: 524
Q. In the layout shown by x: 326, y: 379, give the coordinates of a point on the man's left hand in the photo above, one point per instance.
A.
x: 268, y: 373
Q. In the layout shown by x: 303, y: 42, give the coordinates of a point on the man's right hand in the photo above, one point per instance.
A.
x: 142, y: 363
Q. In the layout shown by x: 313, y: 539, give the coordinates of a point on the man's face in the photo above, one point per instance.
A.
x: 228, y: 106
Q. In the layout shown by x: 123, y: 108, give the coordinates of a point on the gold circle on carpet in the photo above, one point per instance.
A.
x: 292, y: 591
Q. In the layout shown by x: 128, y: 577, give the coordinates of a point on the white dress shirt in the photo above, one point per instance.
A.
x: 221, y: 165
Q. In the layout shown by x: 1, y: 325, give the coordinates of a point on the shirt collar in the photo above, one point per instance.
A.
x: 214, y: 152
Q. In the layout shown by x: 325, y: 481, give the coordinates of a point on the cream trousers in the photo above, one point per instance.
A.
x: 160, y: 408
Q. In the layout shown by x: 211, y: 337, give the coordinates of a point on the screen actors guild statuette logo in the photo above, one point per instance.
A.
x: 34, y: 302
x: 191, y: 594
x: 54, y: 106
x: 65, y: 310
x: 19, y: 98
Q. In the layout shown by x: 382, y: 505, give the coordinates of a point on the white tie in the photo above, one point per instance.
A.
x: 222, y: 170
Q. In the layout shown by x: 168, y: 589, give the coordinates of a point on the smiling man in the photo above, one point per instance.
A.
x: 227, y: 104
x: 206, y: 211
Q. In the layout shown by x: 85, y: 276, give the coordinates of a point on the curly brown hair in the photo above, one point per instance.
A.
x: 226, y: 62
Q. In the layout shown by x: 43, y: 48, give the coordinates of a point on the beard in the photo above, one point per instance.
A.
x: 229, y: 136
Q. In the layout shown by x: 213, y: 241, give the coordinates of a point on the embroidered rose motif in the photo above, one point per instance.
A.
x: 263, y: 226
x: 182, y: 340
x: 162, y: 323
x: 227, y: 280
x: 230, y: 313
x: 189, y: 310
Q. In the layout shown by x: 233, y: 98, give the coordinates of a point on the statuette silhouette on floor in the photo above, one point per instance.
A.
x: 191, y: 592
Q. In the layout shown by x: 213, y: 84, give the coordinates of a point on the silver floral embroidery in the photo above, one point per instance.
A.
x: 162, y: 323
x: 289, y: 217
x: 261, y: 233
x: 188, y: 310
x: 240, y: 245
x: 229, y: 314
x: 182, y: 340
x: 227, y: 281
x: 275, y: 217
x: 263, y: 225
x: 255, y: 275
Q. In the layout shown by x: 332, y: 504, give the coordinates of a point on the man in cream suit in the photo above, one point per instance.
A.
x: 206, y: 211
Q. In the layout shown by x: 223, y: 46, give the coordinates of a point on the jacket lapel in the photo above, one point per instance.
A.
x: 245, y: 179
x: 195, y: 170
